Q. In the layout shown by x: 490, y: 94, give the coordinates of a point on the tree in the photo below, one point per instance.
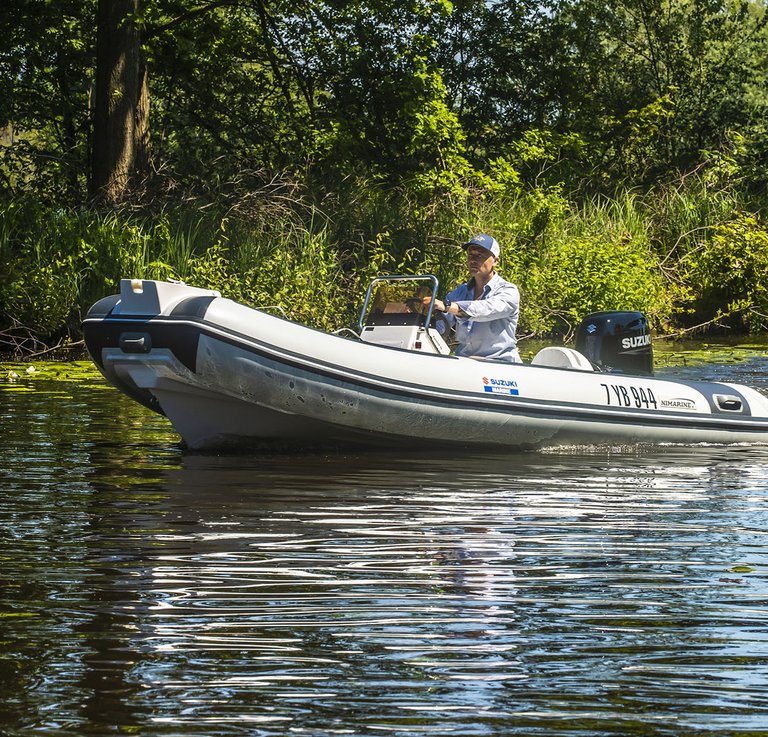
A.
x: 121, y: 113
x: 46, y: 68
x: 663, y: 80
x: 383, y: 88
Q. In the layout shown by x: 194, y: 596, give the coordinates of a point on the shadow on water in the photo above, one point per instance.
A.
x: 579, y: 591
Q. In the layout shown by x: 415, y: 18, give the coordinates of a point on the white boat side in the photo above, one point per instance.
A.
x: 226, y: 373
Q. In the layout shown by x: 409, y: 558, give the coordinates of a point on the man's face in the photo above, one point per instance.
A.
x: 480, y: 261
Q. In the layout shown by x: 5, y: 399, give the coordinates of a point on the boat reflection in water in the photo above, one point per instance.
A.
x: 377, y: 592
x: 594, y: 590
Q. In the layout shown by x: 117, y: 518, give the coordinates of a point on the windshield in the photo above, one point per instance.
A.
x: 398, y: 301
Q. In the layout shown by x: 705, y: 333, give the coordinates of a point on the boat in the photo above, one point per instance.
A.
x: 226, y: 374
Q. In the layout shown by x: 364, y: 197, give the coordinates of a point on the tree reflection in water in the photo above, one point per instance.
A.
x: 609, y: 591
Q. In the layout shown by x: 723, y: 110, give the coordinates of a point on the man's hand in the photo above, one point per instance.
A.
x: 440, y: 306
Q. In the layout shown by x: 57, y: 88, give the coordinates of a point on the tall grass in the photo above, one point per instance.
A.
x: 314, y: 251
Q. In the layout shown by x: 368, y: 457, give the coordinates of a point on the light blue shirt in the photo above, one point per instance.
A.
x: 489, y: 329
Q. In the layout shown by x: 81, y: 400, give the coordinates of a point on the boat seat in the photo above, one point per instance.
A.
x: 559, y: 357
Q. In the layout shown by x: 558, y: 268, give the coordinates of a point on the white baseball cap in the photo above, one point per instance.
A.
x: 488, y: 242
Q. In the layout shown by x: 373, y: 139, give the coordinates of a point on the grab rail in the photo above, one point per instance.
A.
x: 400, y: 277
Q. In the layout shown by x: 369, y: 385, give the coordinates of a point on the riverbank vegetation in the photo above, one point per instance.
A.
x: 285, y: 154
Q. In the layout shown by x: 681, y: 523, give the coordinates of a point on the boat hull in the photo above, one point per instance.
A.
x: 225, y: 374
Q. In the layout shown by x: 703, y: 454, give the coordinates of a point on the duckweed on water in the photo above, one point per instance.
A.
x: 668, y: 355
x: 24, y: 373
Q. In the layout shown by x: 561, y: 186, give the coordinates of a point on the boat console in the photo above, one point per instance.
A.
x: 398, y: 312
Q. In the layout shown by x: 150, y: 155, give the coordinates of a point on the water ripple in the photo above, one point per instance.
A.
x: 574, y: 592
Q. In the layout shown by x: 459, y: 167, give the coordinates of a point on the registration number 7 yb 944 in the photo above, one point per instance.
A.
x: 619, y: 395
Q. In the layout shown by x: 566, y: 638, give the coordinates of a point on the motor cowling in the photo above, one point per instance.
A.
x: 616, y: 341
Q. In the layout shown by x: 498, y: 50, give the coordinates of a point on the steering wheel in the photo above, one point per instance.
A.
x: 438, y: 316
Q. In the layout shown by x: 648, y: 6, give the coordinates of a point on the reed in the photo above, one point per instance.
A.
x: 312, y: 250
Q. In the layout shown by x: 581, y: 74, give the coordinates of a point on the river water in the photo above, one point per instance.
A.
x: 592, y: 591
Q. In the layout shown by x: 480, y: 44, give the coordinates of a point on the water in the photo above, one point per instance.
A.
x: 574, y: 592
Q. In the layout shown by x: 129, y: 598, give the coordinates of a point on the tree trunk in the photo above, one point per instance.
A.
x: 121, y: 114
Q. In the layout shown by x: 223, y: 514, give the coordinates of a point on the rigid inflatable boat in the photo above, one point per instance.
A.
x: 224, y: 373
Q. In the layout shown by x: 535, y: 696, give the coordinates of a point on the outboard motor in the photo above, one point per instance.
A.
x: 618, y: 342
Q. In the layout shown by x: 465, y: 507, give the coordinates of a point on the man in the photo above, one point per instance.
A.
x: 485, y: 308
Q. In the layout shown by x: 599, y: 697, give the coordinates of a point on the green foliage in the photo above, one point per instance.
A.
x: 405, y: 91
x: 300, y: 151
x: 640, y: 142
x: 42, y: 298
x: 300, y: 274
x: 59, y: 261
x: 567, y: 259
x: 592, y: 272
x: 42, y: 278
x: 544, y: 156
x: 653, y: 85
x: 46, y: 70
x: 727, y: 274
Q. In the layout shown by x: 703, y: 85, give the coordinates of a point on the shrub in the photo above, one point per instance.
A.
x: 588, y: 273
x: 727, y: 274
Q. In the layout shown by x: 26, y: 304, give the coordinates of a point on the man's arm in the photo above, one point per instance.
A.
x: 505, y: 303
x: 451, y: 309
